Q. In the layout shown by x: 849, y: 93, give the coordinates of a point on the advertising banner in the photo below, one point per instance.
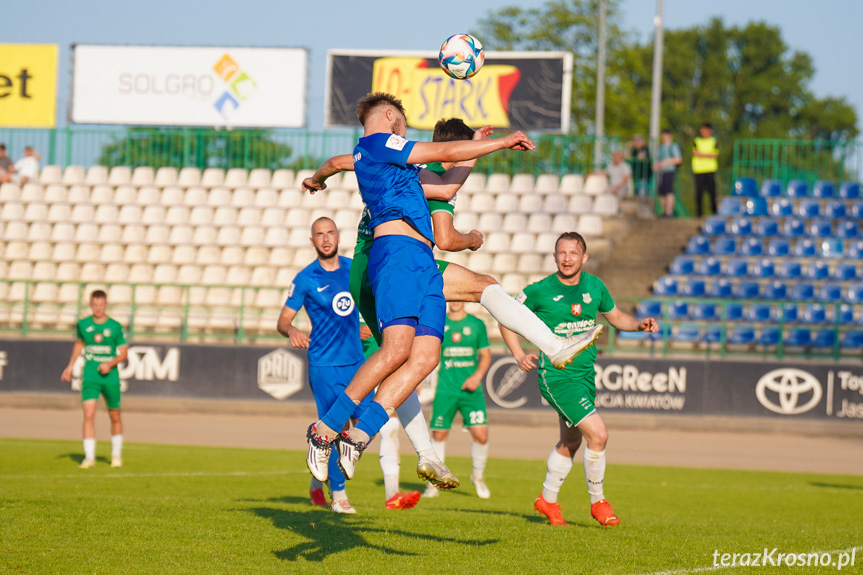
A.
x: 189, y: 86
x: 515, y: 90
x: 28, y: 85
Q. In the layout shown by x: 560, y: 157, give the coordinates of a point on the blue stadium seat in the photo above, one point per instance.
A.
x: 713, y: 226
x: 803, y: 291
x: 756, y: 207
x: 798, y: 337
x: 666, y: 285
x: 818, y: 270
x: 710, y: 267
x: 831, y: 248
x: 688, y: 332
x: 694, y: 287
x: 847, y: 229
x: 741, y: 227
x: 852, y: 340
x: 764, y: 268
x: 767, y: 228
x: 759, y: 312
x: 769, y: 336
x: 824, y: 338
x: 721, y: 288
x: 808, y: 209
x: 742, y: 335
x: 782, y: 208
x: 648, y: 308
x: 771, y: 188
x: 849, y: 190
x: 683, y: 265
x: 797, y: 189
x: 857, y: 210
x: 814, y: 313
x: 779, y: 247
x: 705, y: 311
x: 775, y: 290
x: 752, y: 247
x: 793, y: 228
x: 835, y: 210
x: 745, y: 187
x: 846, y: 314
x: 845, y: 272
x: 678, y: 310
x: 855, y: 250
x: 733, y: 311
x: 821, y: 229
x: 805, y: 249
x: 787, y: 312
x: 830, y: 292
x: 855, y: 293
x: 724, y: 246
x: 698, y: 245
x: 737, y: 268
x: 790, y: 270
x: 713, y: 333
x: 633, y: 335
x: 824, y: 189
x: 747, y: 289
x: 730, y: 206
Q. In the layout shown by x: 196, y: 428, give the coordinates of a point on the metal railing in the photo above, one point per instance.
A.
x: 808, y: 160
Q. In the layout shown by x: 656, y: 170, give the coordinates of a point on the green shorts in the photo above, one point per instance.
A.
x: 441, y: 266
x: 110, y: 389
x: 572, y: 395
x: 471, y: 405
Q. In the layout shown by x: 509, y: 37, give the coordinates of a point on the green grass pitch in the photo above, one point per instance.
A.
x: 210, y: 510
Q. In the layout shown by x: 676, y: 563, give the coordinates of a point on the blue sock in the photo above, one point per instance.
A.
x: 373, y: 419
x: 340, y: 412
x: 337, y: 478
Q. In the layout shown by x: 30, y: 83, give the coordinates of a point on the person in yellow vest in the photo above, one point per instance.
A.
x: 705, y: 164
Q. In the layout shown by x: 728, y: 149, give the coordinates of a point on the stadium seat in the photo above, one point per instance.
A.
x: 742, y: 335
x: 497, y: 242
x: 824, y: 338
x: 823, y: 189
x: 787, y: 313
x: 285, y: 179
x: 724, y: 246
x: 236, y: 178
x: 737, y: 268
x: 846, y: 314
x: 779, y: 247
x: 538, y: 223
x: 687, y: 332
x: 782, y: 208
x: 489, y: 222
x: 698, y: 245
x: 759, y: 312
x: 143, y: 176
x: 814, y: 313
x: 596, y: 184
x: 212, y: 177
x: 683, y: 265
x: 694, y: 287
x: 147, y: 196
x: 832, y: 248
x: 51, y: 175
x: 249, y: 216
x: 798, y: 337
x: 505, y: 203
x: 821, y: 229
x: 767, y: 228
x: 266, y: 197
x: 849, y: 190
x: 741, y: 227
x: 579, y: 204
x: 12, y: 192
x: 835, y: 209
x: 852, y: 340
x: 475, y: 183
x: 521, y: 184
x: 96, y: 175
x: 770, y: 189
x: 797, y: 189
x: 73, y: 175
x: 793, y: 228
x: 713, y: 333
x: 497, y: 183
x: 606, y: 205
x: 120, y: 176
x: 706, y: 311
x: 855, y: 250
x: 805, y: 248
x: 808, y: 209
x: 165, y: 176
x: 514, y: 222
x: 855, y: 293
x: 844, y: 271
x: 752, y: 247
x: 775, y: 290
x: 818, y: 270
x: 522, y: 242
x: 553, y: 203
x: 665, y: 286
x: 755, y: 207
x: 803, y: 291
x: 588, y: 225
x: 571, y: 184
x: 847, y: 229
x: 714, y: 226
x: 189, y: 176
x: 769, y: 336
x: 649, y: 308
x: 830, y: 292
x: 747, y: 289
x: 710, y: 267
x: 730, y: 206
x: 721, y: 288
x: 481, y: 203
x: 790, y: 270
x: 245, y: 197
x: 745, y: 187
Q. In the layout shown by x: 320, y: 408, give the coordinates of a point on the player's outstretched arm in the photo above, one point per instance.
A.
x: 625, y: 322
x: 336, y: 164
x: 449, y: 239
x: 526, y: 361
x: 76, y: 351
x: 462, y: 150
x: 444, y: 186
x: 298, y: 339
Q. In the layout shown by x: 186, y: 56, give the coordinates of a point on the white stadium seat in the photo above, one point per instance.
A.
x: 53, y: 194
x: 257, y: 256
x: 336, y: 198
x: 606, y: 205
x: 110, y: 233
x: 503, y: 263
x: 204, y: 235
x: 172, y: 196
x: 538, y: 223
x: 282, y: 179
x: 189, y: 177
x: 514, y: 222
x: 228, y: 236
x: 12, y: 211
x: 465, y: 221
x: 129, y: 214
x: 153, y: 214
x: 175, y: 215
x: 489, y: 222
x: 209, y: 255
x: 87, y: 252
x: 82, y: 213
x: 596, y: 184
x: 159, y: 254
x: 101, y: 194
x: 506, y: 203
x: 252, y: 236
x: 143, y: 176
x: 157, y: 234
x: 96, y: 175
x: 290, y: 198
x: 125, y: 195
x: 165, y: 274
x: 497, y: 242
x: 11, y: 192
x: 554, y: 203
x: 523, y: 242
x: 148, y: 195
x: 243, y: 197
x: 530, y: 203
x: 133, y: 234
x: 140, y: 273
x: 201, y: 215
x: 474, y: 184
x: 529, y: 263
x: 481, y: 203
x: 249, y: 217
x: 165, y: 176
x: 120, y: 175
x: 266, y: 197
x: 580, y: 204
x: 590, y: 225
x: 276, y: 237
x: 219, y: 197
x: 106, y: 214
x: 262, y: 276
x: 497, y: 183
x: 521, y: 184
x: 60, y: 232
x: 135, y: 253
x: 546, y: 184
x: 51, y: 175
x: 563, y: 223
x: 183, y: 252
x: 479, y: 261
x: 513, y: 283
x: 189, y: 274
x: 349, y: 182
x: 73, y: 175
x: 236, y: 177
x: 35, y: 212
x: 195, y: 196
x: 225, y: 216
x: 111, y: 253
x: 571, y: 184
x: 232, y: 255
x: 238, y: 275
x: 39, y: 251
x: 212, y: 177
x: 259, y: 178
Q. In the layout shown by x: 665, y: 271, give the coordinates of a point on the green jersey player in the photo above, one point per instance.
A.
x: 570, y: 301
x: 104, y: 345
x: 465, y: 359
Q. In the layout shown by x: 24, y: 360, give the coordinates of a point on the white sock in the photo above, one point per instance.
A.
x: 389, y: 456
x: 340, y: 495
x: 594, y: 473
x: 559, y: 467
x: 90, y: 448
x: 516, y: 317
x: 314, y: 485
x: 440, y: 449
x: 116, y: 445
x: 412, y: 419
x: 479, y: 456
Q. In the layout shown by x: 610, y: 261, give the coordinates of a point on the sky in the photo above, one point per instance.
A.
x: 828, y: 34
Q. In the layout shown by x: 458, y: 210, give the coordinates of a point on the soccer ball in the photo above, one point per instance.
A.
x: 461, y: 56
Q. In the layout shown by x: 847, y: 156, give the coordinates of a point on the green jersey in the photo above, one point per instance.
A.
x: 569, y: 310
x: 101, y: 341
x: 459, y: 352
x: 364, y: 233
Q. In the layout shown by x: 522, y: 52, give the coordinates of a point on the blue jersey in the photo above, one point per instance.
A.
x: 391, y: 187
x: 335, y: 322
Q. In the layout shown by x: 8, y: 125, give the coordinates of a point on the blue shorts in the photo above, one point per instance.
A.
x: 407, y: 284
x: 328, y: 382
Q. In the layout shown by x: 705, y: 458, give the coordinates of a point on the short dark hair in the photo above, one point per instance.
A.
x: 3, y: 147
x: 571, y: 236
x: 666, y: 131
x: 372, y: 100
x: 98, y: 294
x: 707, y: 125
x: 451, y: 130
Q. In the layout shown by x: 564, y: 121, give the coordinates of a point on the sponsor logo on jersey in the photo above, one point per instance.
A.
x: 320, y: 289
x: 343, y: 303
x: 576, y: 309
x: 89, y: 328
x: 456, y: 337
x: 98, y: 338
x: 466, y: 331
x: 586, y: 297
x: 557, y: 298
x: 107, y: 332
x: 396, y: 142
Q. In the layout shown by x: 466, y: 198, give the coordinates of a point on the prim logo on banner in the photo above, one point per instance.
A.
x: 239, y: 86
x: 504, y: 383
x: 280, y: 374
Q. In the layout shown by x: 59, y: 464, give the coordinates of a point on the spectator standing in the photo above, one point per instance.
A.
x: 638, y: 156
x: 619, y: 175
x: 705, y: 164
x: 6, y: 166
x: 27, y: 168
x: 669, y: 157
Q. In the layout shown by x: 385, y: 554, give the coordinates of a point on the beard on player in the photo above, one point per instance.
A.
x: 327, y: 251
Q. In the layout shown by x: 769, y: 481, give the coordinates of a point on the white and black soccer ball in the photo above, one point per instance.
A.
x: 461, y: 56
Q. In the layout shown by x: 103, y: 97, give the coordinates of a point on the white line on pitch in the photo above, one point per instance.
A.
x: 84, y: 474
x: 719, y: 567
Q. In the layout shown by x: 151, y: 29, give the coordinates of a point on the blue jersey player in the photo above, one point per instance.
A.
x: 335, y: 351
x: 406, y: 283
